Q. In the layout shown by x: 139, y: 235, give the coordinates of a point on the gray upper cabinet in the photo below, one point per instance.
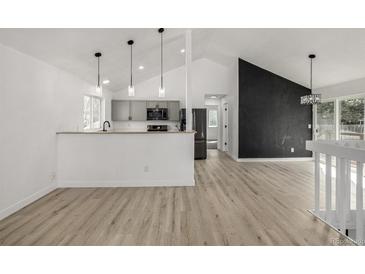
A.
x: 162, y: 104
x: 120, y: 110
x: 138, y: 111
x: 173, y: 108
x: 156, y: 104
x: 151, y: 104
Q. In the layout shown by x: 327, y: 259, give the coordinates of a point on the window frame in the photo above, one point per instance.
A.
x: 92, y: 97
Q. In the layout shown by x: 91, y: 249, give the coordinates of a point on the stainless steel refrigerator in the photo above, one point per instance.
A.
x: 199, y: 124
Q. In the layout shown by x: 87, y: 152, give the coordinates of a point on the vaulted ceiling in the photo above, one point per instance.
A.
x: 340, y: 52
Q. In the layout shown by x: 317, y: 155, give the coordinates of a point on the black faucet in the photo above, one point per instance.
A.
x: 106, y: 122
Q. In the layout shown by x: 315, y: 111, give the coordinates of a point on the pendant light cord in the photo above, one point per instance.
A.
x: 98, y: 71
x: 131, y: 65
x: 311, y: 71
x: 161, y: 61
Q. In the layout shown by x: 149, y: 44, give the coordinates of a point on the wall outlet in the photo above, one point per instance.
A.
x: 309, y: 126
x: 146, y: 169
x: 292, y: 150
x: 52, y: 176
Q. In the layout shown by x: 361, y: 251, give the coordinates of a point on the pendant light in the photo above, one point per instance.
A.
x: 131, y: 87
x: 311, y: 99
x: 161, y: 91
x: 99, y: 88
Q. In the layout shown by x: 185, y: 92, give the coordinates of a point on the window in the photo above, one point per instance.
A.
x: 96, y: 107
x: 352, y: 119
x: 326, y: 125
x: 213, y: 118
x: 92, y: 112
x: 87, y: 112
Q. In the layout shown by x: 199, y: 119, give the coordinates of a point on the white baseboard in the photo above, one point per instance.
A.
x: 290, y: 159
x: 26, y: 201
x: 293, y: 159
x: 125, y: 183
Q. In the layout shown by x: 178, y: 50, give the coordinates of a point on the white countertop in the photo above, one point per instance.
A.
x: 127, y: 132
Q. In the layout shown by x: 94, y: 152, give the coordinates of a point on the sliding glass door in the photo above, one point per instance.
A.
x: 341, y: 119
x: 326, y: 122
x: 351, y: 113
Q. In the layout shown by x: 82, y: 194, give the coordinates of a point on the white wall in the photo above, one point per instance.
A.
x: 232, y: 100
x: 36, y: 101
x: 343, y: 89
x: 208, y: 77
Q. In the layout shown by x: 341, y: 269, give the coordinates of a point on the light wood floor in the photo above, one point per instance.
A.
x: 231, y: 204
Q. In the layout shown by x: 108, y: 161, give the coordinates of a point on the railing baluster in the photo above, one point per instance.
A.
x: 347, y: 188
x: 316, y: 181
x: 338, y: 188
x: 340, y: 213
x: 342, y: 195
x: 328, y: 186
x: 359, y: 204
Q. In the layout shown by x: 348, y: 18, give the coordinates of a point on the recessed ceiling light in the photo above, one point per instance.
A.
x: 106, y: 82
x: 141, y: 67
x: 213, y: 97
x: 182, y: 50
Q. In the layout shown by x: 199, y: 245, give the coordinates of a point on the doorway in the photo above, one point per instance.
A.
x: 215, y: 121
x: 213, y: 126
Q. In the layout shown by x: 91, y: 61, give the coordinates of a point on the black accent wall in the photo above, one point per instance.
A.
x: 271, y: 118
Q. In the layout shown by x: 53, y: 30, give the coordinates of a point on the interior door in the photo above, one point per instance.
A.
x: 225, y: 127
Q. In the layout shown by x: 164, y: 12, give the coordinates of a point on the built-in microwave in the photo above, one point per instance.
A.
x: 157, y: 114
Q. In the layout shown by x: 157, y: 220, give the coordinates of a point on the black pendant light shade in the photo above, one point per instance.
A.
x: 99, y: 89
x: 311, y: 99
x: 131, y: 87
x: 161, y: 91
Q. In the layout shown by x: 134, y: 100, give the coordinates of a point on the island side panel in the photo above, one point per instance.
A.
x: 125, y: 160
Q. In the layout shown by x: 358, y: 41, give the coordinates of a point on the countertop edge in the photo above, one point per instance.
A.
x: 124, y: 132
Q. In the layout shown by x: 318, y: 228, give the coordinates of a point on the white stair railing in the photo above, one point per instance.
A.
x: 342, y: 216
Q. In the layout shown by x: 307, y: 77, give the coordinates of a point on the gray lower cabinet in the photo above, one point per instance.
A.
x: 120, y: 110
x: 173, y: 108
x: 138, y: 110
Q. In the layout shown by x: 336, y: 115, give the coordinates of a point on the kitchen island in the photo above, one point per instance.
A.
x: 125, y: 159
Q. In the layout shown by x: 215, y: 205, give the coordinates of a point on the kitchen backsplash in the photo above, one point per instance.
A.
x: 138, y: 125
